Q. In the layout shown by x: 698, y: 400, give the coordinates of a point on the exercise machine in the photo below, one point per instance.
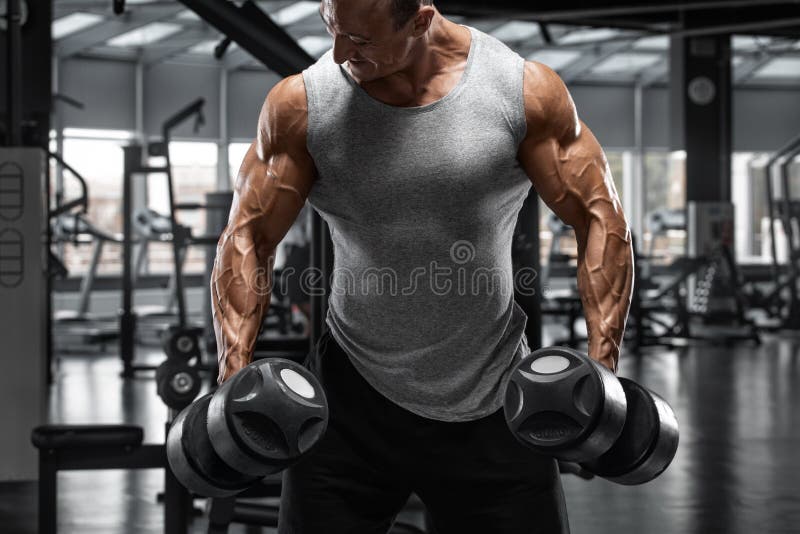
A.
x: 781, y: 301
x: 133, y: 158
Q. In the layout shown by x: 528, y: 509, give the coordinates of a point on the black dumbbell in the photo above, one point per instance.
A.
x: 561, y: 403
x: 643, y: 447
x: 267, y: 416
x: 262, y: 420
x: 180, y: 343
x: 177, y: 383
x: 647, y: 444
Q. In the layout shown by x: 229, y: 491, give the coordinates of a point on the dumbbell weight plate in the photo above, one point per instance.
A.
x: 177, y: 383
x: 648, y: 441
x: 180, y: 343
x: 562, y: 403
x: 267, y: 416
x: 194, y: 461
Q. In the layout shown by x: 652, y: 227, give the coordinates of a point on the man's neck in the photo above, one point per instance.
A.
x: 443, y: 48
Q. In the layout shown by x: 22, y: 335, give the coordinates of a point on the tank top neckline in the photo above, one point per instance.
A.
x: 427, y: 107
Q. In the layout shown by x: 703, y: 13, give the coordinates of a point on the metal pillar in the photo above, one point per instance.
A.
x: 223, y: 174
x: 132, y: 156
x: 639, y: 190
x: 700, y: 99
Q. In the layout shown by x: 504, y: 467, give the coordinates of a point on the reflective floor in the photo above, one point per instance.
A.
x: 737, y: 470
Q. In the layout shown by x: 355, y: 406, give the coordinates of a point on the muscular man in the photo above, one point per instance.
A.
x: 417, y: 140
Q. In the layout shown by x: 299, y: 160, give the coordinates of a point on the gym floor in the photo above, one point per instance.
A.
x: 735, y: 470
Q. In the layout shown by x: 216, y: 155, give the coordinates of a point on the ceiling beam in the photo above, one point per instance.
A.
x: 745, y: 71
x: 653, y: 16
x: 239, y: 58
x: 566, y: 9
x: 254, y: 31
x: 654, y: 74
x: 738, y: 27
x: 651, y: 8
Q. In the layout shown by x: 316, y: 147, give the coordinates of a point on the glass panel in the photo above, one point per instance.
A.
x: 194, y: 172
x: 750, y: 168
x: 665, y: 186
x: 100, y: 162
x: 236, y: 152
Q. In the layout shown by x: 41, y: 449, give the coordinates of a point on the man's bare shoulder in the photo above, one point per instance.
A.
x: 283, y: 120
x: 549, y: 109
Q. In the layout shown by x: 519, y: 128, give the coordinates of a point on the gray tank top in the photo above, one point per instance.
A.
x: 421, y: 203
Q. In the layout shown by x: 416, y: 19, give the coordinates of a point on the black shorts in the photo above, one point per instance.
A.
x: 472, y: 476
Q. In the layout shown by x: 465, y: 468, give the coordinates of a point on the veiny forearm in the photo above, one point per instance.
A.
x: 240, y: 295
x: 580, y: 189
x: 605, y: 279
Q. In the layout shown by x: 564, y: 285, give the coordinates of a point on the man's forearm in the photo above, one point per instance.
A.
x: 605, y: 279
x: 240, y: 295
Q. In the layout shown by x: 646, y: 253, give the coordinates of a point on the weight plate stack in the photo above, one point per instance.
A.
x: 177, y: 383
x: 180, y: 343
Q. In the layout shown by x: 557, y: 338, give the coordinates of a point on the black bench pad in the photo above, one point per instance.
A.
x: 74, y: 436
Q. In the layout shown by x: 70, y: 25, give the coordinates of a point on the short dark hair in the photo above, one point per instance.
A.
x: 403, y: 10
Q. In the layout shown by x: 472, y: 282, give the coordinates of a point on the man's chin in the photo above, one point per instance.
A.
x: 361, y: 70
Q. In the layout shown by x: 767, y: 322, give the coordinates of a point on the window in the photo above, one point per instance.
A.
x: 749, y: 192
x: 236, y: 152
x: 615, y: 158
x: 100, y: 162
x: 194, y: 173
x: 98, y: 156
x: 665, y: 192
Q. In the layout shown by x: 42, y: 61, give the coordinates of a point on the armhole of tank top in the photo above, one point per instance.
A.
x: 521, y: 129
x: 311, y: 105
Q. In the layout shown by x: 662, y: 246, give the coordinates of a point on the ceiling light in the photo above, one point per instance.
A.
x: 516, y: 30
x: 294, y: 13
x: 72, y: 23
x: 626, y: 63
x: 147, y: 34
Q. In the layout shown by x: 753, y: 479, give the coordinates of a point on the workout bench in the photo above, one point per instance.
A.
x: 83, y: 447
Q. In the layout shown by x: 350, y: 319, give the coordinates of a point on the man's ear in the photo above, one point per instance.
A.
x: 422, y: 20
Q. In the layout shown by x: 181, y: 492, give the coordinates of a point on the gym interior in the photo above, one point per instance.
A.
x: 124, y: 125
